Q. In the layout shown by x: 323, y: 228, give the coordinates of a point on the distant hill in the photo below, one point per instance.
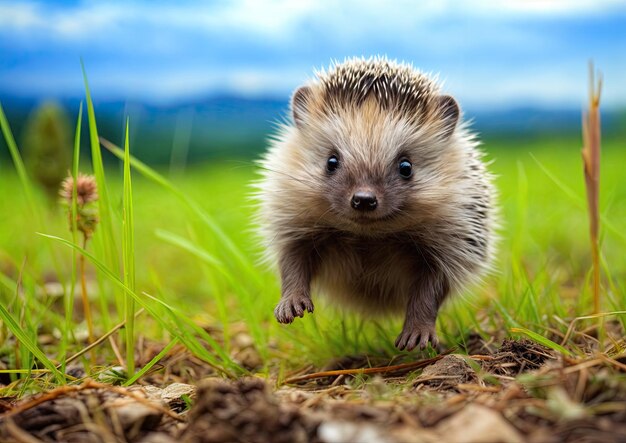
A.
x: 215, y: 127
x: 226, y: 126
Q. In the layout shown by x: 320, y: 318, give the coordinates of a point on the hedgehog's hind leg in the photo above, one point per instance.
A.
x: 421, y: 312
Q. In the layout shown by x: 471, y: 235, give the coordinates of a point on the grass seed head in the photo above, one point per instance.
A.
x: 86, y: 189
x: 86, y: 193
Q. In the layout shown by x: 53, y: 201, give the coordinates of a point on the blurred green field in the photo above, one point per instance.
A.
x: 540, y: 281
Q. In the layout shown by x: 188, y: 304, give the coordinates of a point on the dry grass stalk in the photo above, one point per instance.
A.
x: 83, y: 192
x: 378, y: 370
x: 97, y: 342
x: 591, y: 162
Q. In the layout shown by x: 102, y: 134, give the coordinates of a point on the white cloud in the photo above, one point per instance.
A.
x: 279, y: 17
x: 87, y: 20
x: 34, y: 18
x: 20, y: 16
x: 545, y: 7
x: 565, y: 86
x: 271, y: 18
x: 484, y: 48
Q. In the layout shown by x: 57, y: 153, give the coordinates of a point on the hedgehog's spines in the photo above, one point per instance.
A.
x: 395, y: 86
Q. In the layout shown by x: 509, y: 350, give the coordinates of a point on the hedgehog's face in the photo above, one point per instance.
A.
x: 377, y: 171
x: 362, y: 194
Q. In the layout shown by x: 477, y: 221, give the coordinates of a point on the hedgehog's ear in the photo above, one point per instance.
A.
x: 449, y: 113
x: 299, y: 104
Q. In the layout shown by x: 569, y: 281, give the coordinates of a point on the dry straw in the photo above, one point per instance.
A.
x: 591, y: 163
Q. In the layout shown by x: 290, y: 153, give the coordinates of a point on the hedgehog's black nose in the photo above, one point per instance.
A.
x: 364, y: 201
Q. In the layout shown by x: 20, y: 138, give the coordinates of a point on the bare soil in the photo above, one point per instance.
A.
x: 519, y: 392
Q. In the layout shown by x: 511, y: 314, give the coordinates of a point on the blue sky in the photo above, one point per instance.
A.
x: 489, y: 53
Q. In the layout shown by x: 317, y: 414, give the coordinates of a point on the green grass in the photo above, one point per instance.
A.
x: 128, y: 249
x: 185, y: 253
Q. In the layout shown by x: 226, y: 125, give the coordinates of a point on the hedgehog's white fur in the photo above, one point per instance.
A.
x: 371, y: 111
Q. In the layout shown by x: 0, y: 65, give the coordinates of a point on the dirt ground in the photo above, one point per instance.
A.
x: 515, y: 393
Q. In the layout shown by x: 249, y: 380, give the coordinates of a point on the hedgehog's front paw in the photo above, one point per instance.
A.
x: 411, y: 336
x: 291, y: 307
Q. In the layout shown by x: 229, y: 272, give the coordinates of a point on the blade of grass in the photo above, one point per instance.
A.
x: 128, y: 245
x: 190, y: 342
x: 187, y: 245
x: 210, y: 262
x: 8, y: 283
x: 19, y: 164
x: 177, y: 315
x: 228, y: 244
x: 36, y: 305
x: 578, y: 200
x: 151, y: 363
x: 542, y: 340
x: 99, y: 341
x: 25, y: 340
x: 245, y: 298
x: 521, y: 215
x: 35, y: 209
x: 570, y: 328
x: 505, y: 313
x: 105, y: 238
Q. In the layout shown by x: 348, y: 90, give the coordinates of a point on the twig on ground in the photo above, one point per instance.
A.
x: 116, y: 351
x: 100, y: 340
x: 377, y: 370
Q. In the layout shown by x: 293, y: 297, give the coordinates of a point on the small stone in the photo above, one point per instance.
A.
x: 242, y: 340
x: 344, y: 431
x: 157, y: 437
x: 478, y: 424
x: 249, y: 358
x: 447, y: 373
x: 175, y: 391
x: 53, y: 289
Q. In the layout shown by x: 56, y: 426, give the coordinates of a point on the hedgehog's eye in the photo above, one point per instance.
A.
x: 332, y: 163
x: 405, y: 168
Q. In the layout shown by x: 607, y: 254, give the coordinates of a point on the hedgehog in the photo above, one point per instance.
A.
x: 376, y: 196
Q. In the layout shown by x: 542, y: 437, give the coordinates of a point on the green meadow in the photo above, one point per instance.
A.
x: 174, y: 261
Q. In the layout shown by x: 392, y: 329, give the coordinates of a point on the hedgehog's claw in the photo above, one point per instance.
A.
x: 291, y: 307
x: 410, y: 337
